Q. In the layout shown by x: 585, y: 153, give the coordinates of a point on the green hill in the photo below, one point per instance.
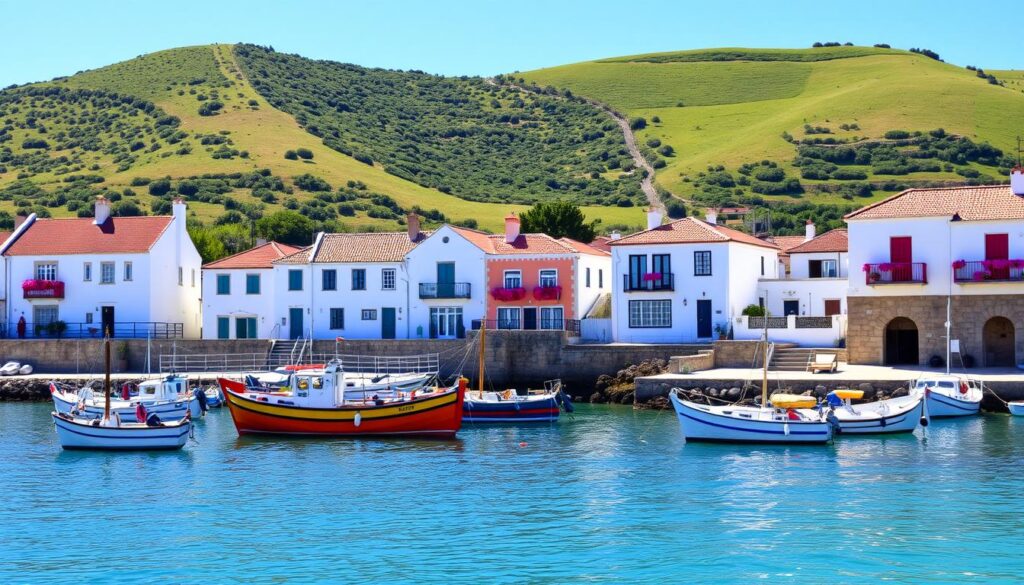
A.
x: 818, y: 119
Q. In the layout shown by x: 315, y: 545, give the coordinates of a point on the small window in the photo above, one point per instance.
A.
x: 193, y: 277
x: 600, y: 278
x: 245, y: 328
x: 551, y: 318
x: 329, y: 279
x: 294, y: 280
x: 223, y: 284
x: 588, y: 277
x: 387, y: 279
x: 358, y: 279
x: 106, y: 273
x: 369, y: 314
x: 181, y: 276
x: 337, y: 318
x: 252, y: 284
x: 702, y: 263
x: 46, y: 271
x: 548, y: 277
x: 513, y: 279
x: 88, y: 318
x: 128, y: 272
x: 509, y: 318
x: 762, y: 265
x: 87, y: 272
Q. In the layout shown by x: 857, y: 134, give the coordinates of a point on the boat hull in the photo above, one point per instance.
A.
x: 75, y: 434
x: 941, y: 405
x: 710, y: 424
x: 434, y: 414
x: 525, y: 409
x: 165, y: 409
x: 896, y: 415
x: 1016, y: 408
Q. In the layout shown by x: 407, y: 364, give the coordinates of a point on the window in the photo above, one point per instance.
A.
x: 387, y: 279
x: 252, y: 284
x: 821, y: 269
x: 87, y: 271
x: 46, y: 271
x: 509, y: 318
x: 358, y: 279
x: 762, y: 265
x: 106, y: 273
x: 369, y: 314
x: 128, y: 273
x: 294, y: 280
x: 223, y: 284
x: 650, y: 314
x: 551, y: 318
x: 337, y: 318
x: 44, y: 314
x: 446, y: 322
x: 245, y: 327
x: 193, y: 277
x: 637, y: 269
x: 588, y: 277
x: 329, y: 279
x: 702, y: 263
x: 600, y: 278
x: 88, y: 317
x: 223, y: 328
x: 181, y: 276
x: 513, y: 279
x: 549, y: 277
x: 661, y: 264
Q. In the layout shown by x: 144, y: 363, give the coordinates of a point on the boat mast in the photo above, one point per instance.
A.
x: 764, y: 359
x: 480, y: 369
x: 106, y: 379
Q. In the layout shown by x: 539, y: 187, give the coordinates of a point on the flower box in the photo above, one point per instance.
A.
x: 500, y: 293
x: 547, y: 293
x: 42, y: 289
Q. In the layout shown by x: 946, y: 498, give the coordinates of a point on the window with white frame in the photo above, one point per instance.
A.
x: 46, y: 271
x: 702, y: 263
x: 513, y: 279
x: 106, y: 273
x: 369, y: 314
x: 509, y: 318
x: 549, y: 277
x: 387, y: 279
x: 128, y: 272
x: 650, y: 314
x: 551, y: 318
x: 87, y: 272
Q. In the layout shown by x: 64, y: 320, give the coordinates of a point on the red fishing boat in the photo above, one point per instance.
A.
x: 317, y: 405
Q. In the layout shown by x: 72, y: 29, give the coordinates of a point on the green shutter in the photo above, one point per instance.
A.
x: 223, y: 328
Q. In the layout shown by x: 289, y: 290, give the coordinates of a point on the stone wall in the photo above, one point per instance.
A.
x: 868, y: 317
x: 741, y: 354
x: 703, y: 360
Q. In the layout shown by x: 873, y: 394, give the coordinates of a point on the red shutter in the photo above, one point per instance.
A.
x: 997, y: 247
x: 831, y: 307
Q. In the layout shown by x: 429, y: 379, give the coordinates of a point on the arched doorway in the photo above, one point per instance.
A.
x: 901, y: 342
x: 998, y: 340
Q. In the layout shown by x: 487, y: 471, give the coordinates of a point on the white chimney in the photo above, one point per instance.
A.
x: 711, y: 216
x: 511, y: 228
x: 616, y: 235
x: 261, y: 241
x: 809, y: 231
x: 653, y: 218
x: 412, y: 221
x: 102, y: 211
x: 1017, y: 181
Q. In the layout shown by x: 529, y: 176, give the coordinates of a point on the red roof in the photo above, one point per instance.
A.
x: 525, y: 244
x: 361, y: 247
x: 585, y: 248
x: 601, y: 243
x: 830, y: 241
x: 972, y: 203
x: 259, y: 257
x: 117, y: 235
x: 787, y: 243
x: 690, y: 230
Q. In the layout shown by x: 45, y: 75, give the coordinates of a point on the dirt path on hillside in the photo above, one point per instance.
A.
x: 647, y: 183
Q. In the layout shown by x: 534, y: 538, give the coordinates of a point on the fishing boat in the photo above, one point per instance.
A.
x: 508, y: 406
x: 214, y: 399
x: 949, y: 395
x: 322, y: 404
x: 893, y: 415
x: 110, y: 432
x: 1016, y: 407
x: 168, y: 397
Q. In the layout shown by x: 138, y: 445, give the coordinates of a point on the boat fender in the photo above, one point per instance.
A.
x: 358, y: 420
x: 963, y: 387
x: 924, y: 421
x: 412, y: 395
x: 508, y: 394
x: 785, y: 429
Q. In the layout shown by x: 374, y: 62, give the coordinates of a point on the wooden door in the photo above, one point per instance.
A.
x: 107, y: 319
x: 901, y: 254
x: 997, y: 247
x: 703, y: 318
x: 295, y: 323
x: 387, y: 323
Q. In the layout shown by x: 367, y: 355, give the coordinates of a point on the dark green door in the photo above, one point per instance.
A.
x: 445, y: 280
x: 295, y: 323
x: 387, y: 323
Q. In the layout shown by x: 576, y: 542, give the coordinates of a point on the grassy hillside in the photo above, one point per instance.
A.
x: 722, y: 109
x: 158, y: 103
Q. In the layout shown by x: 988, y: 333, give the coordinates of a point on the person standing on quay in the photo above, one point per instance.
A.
x: 21, y: 327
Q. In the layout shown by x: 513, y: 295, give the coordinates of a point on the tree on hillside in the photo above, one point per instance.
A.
x: 559, y: 219
x: 209, y: 246
x: 287, y: 227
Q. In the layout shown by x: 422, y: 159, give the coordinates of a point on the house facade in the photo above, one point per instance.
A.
x: 239, y: 294
x: 447, y: 283
x: 684, y: 281
x: 128, y: 276
x: 922, y: 248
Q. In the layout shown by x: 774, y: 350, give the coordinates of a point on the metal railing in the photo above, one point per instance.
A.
x: 896, y: 273
x: 638, y: 282
x: 258, y: 362
x: 445, y: 290
x: 571, y: 326
x: 988, y: 271
x: 123, y: 330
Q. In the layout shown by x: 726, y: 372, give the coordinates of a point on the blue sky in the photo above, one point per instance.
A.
x: 45, y: 38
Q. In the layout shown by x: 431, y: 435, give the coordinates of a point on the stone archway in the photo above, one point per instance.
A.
x: 901, y: 343
x: 997, y: 337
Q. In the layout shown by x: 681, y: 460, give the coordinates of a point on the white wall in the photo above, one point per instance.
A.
x: 422, y: 267
x: 824, y: 337
x: 170, y: 301
x: 585, y: 296
x: 798, y: 263
x: 745, y: 273
x: 811, y: 292
x: 353, y: 302
x: 238, y: 303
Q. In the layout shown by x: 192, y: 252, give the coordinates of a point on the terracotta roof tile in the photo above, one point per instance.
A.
x: 300, y: 257
x: 362, y: 247
x: 117, y: 235
x: 786, y: 243
x: 830, y: 241
x: 529, y: 244
x: 972, y: 203
x: 476, y: 237
x: 259, y: 257
x: 582, y: 248
x: 690, y: 230
x: 601, y: 243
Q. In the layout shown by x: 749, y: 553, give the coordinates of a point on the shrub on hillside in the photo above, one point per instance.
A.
x: 159, y: 187
x: 308, y: 182
x: 637, y: 123
x: 291, y: 155
x: 304, y: 153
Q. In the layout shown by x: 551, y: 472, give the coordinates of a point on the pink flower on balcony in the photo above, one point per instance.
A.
x: 959, y: 264
x: 547, y: 293
x: 652, y: 276
x: 980, y: 275
x: 500, y: 293
x: 1000, y: 264
x: 866, y: 268
x: 886, y: 266
x: 1017, y: 263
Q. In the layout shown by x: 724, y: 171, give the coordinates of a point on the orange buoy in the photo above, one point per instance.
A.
x: 522, y: 444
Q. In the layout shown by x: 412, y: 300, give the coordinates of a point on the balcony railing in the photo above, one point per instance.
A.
x: 572, y: 326
x: 896, y: 273
x: 43, y: 289
x: 445, y: 290
x: 123, y: 330
x: 651, y: 281
x: 965, y: 271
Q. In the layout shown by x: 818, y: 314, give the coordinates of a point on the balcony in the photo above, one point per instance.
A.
x: 445, y: 290
x: 43, y: 289
x: 547, y: 293
x: 119, y: 329
x: 896, y: 273
x: 968, y: 271
x: 652, y: 281
x: 508, y: 294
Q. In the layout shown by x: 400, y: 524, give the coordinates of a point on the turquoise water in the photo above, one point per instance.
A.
x: 612, y: 496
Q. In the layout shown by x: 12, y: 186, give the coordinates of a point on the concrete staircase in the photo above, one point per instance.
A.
x: 281, y: 352
x: 795, y: 359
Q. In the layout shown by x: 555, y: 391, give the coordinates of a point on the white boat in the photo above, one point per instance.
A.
x: 894, y: 415
x: 750, y: 424
x: 357, y: 386
x: 10, y: 369
x: 949, y: 395
x: 169, y: 398
x: 1016, y: 407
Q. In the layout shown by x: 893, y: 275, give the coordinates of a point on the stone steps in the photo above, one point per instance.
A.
x: 795, y: 359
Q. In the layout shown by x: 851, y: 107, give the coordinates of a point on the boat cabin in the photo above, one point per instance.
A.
x: 168, y: 388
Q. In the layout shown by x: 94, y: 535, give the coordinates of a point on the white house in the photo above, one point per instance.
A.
x: 130, y: 276
x: 917, y: 251
x: 239, y: 294
x: 447, y: 283
x: 682, y: 281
